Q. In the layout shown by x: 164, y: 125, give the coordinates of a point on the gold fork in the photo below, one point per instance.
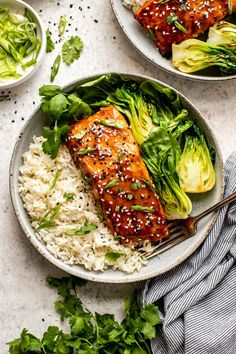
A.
x: 182, y: 229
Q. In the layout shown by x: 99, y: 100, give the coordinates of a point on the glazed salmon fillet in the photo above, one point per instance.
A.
x: 103, y: 147
x: 195, y: 16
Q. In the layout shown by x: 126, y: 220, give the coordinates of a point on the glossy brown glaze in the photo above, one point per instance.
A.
x: 196, y: 16
x: 111, y: 159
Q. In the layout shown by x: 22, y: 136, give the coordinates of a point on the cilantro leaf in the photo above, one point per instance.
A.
x: 150, y: 314
x: 50, y: 45
x: 91, y: 333
x: 77, y: 108
x: 71, y: 49
x: 66, y: 284
x: 54, y: 137
x: 49, y: 91
x: 55, y: 107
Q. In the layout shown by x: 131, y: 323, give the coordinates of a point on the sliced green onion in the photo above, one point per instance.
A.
x: 55, y: 68
x: 62, y: 25
x: 112, y: 123
x: 112, y: 183
x: 80, y: 135
x: 55, y: 178
x: 143, y: 208
x: 85, y: 151
x: 136, y: 186
x: 47, y: 220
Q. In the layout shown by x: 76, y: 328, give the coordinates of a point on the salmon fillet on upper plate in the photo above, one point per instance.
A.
x: 103, y: 147
x: 173, y: 21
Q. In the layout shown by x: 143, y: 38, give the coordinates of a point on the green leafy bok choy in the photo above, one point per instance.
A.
x: 161, y: 154
x: 223, y: 33
x: 195, y: 168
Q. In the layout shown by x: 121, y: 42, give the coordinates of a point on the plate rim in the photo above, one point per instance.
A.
x: 72, y: 269
x: 155, y: 63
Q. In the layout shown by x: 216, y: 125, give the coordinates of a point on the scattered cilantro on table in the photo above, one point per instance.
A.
x: 91, y: 333
x: 71, y: 49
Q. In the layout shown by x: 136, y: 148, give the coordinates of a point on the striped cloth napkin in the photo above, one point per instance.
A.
x: 197, y: 299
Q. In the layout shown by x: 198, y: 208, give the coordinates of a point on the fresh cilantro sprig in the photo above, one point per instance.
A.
x: 71, y: 49
x: 91, y: 333
x: 61, y: 109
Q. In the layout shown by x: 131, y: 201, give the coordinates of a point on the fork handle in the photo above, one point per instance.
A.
x: 223, y: 202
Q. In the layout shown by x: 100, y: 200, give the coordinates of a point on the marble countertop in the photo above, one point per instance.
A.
x: 25, y: 299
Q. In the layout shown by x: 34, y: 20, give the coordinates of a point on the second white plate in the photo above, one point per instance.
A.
x: 138, y: 37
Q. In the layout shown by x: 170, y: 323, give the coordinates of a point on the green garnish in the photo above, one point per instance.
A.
x: 113, y: 256
x: 149, y: 185
x: 50, y: 45
x: 230, y: 6
x: 111, y: 123
x: 55, y: 178
x: 19, y: 45
x: 183, y: 7
x: 28, y: 15
x: 174, y: 19
x: 47, y: 220
x: 136, y: 186
x: 130, y: 196
x: 71, y: 49
x: 69, y: 196
x: 151, y: 34
x: 55, y: 68
x: 143, y: 208
x: 91, y: 333
x: 120, y: 155
x: 112, y: 183
x: 84, y: 230
x: 85, y: 151
x: 120, y: 189
x: 117, y: 237
x: 62, y: 25
x: 54, y: 137
x: 80, y: 134
x: 85, y: 178
x: 49, y: 91
x: 117, y: 208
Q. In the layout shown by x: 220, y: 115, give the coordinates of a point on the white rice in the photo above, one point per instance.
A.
x: 36, y: 175
x: 133, y: 4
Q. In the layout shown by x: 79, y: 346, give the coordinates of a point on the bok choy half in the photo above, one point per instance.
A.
x: 159, y: 124
x: 220, y: 51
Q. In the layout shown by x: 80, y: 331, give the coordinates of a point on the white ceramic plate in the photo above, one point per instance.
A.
x: 18, y: 6
x: 138, y: 37
x: 155, y: 266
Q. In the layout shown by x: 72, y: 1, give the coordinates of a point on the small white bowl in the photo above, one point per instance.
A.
x: 18, y: 6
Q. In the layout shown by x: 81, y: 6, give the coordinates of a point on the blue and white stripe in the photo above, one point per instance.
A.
x: 197, y: 299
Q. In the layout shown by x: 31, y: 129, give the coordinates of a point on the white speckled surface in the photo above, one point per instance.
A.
x: 25, y: 299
